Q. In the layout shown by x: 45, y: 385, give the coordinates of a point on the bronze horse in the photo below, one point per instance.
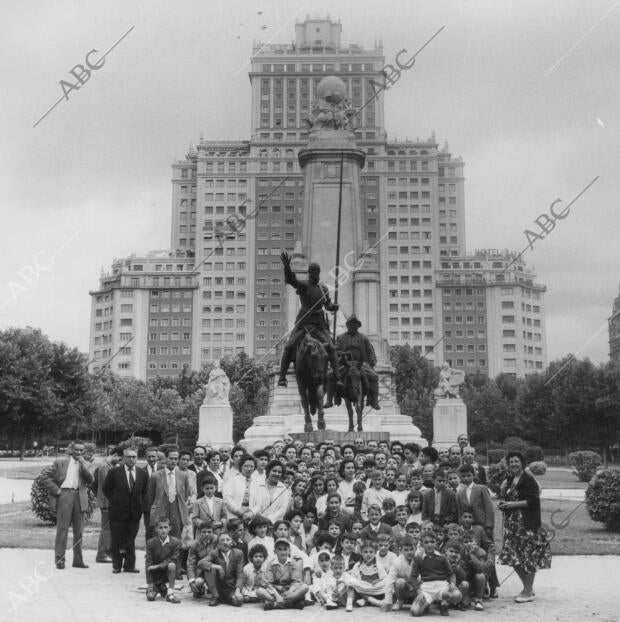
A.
x: 354, y: 392
x: 311, y: 373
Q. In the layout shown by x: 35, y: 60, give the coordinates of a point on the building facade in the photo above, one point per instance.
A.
x: 492, y: 314
x: 236, y: 205
x: 614, y: 332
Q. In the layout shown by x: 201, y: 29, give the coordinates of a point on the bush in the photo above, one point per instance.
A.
x: 514, y: 443
x: 496, y: 474
x: 495, y: 455
x: 534, y: 453
x: 603, y: 499
x: 538, y: 467
x: 585, y: 463
x: 39, y: 499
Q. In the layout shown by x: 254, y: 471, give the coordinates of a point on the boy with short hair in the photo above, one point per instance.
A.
x: 480, y: 537
x: 348, y: 554
x: 399, y: 530
x: 259, y: 528
x: 162, y: 554
x: 208, y: 506
x: 453, y: 555
x: 384, y: 556
x: 398, y: 583
x: 374, y: 494
x: 374, y: 526
x: 284, y: 588
x: 389, y: 512
x: 474, y: 562
x: 198, y: 550
x: 236, y: 531
x: 310, y: 528
x: 400, y: 492
x: 437, y: 581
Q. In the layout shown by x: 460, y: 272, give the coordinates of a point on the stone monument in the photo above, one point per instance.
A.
x: 449, y: 412
x: 331, y: 143
x: 215, y: 426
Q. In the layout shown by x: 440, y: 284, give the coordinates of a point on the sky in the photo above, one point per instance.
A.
x: 526, y: 92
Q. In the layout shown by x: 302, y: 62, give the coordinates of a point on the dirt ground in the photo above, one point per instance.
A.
x: 576, y: 588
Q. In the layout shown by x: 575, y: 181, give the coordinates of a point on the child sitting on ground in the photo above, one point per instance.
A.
x: 198, y: 550
x: 474, y: 562
x: 283, y: 588
x: 254, y: 573
x: 437, y: 581
x: 162, y: 553
x: 398, y: 584
x: 367, y: 579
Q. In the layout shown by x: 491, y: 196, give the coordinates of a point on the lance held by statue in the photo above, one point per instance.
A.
x: 355, y: 346
x: 313, y: 296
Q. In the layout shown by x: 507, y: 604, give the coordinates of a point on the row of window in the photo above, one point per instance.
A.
x: 229, y: 295
x: 164, y: 322
x: 227, y: 310
x: 165, y: 365
x: 470, y: 362
x: 417, y: 335
x: 223, y: 323
x: 406, y: 321
x: 447, y: 306
x: 169, y: 336
x: 461, y: 348
x: 222, y: 336
x: 205, y: 353
x: 405, y: 307
x: 414, y: 279
x: 157, y: 307
x: 459, y: 334
x: 172, y: 350
x: 469, y: 319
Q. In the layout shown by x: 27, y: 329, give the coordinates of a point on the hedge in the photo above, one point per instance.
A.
x: 603, y: 499
x: 585, y: 463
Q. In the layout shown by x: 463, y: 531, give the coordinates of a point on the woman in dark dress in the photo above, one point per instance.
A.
x: 526, y: 545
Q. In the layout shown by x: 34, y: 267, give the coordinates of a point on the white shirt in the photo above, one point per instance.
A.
x: 468, y: 490
x: 72, y: 479
x: 150, y: 471
x: 172, y: 485
x: 234, y: 491
x: 133, y: 474
x: 270, y: 501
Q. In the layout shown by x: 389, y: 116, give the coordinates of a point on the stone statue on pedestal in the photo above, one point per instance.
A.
x: 449, y: 382
x: 218, y: 387
x: 332, y: 109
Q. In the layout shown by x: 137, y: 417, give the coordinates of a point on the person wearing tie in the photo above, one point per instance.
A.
x: 150, y: 469
x: 67, y: 484
x: 125, y: 488
x: 170, y: 490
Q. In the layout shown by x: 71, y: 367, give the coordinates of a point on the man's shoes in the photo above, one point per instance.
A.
x: 116, y: 570
x: 298, y: 604
x: 60, y: 565
x: 151, y: 595
x: 283, y: 382
x: 268, y: 606
x: 443, y: 610
x: 162, y: 589
x: 171, y: 598
x: 525, y: 599
x: 478, y: 606
x: 104, y: 560
x: 330, y: 604
x: 360, y: 602
x: 214, y: 602
x: 493, y: 594
x: 82, y: 565
x: 133, y: 570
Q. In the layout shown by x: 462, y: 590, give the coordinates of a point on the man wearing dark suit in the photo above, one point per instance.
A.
x: 199, y: 464
x: 125, y: 487
x: 469, y: 457
x: 439, y: 503
x: 169, y: 490
x: 476, y: 499
x: 224, y: 572
x: 104, y: 546
x: 67, y: 484
x: 150, y: 469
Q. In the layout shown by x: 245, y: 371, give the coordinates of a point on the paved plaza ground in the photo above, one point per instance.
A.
x: 576, y: 588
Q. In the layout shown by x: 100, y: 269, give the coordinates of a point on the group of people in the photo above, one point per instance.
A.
x: 293, y: 524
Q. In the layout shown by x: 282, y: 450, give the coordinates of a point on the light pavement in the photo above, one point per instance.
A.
x: 576, y: 588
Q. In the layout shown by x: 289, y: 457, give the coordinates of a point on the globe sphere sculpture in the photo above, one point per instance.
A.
x: 332, y: 89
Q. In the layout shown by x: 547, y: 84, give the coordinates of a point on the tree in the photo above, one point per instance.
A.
x: 249, y: 392
x: 488, y: 412
x: 414, y: 381
x: 534, y: 407
x: 43, y: 386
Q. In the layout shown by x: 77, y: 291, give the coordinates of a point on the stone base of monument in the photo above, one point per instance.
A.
x: 286, y: 416
x: 449, y: 420
x: 215, y: 426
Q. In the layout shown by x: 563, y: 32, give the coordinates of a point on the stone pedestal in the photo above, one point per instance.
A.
x: 215, y: 426
x: 286, y: 417
x: 449, y: 420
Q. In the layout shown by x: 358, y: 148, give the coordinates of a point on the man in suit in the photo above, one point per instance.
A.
x: 476, y: 499
x: 125, y: 487
x: 67, y: 484
x: 224, y: 573
x: 170, y: 490
x: 150, y: 469
x: 439, y: 503
x: 469, y: 457
x: 237, y: 489
x: 199, y: 464
x: 104, y: 546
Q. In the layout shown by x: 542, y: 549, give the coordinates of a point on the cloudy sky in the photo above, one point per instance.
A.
x: 527, y: 92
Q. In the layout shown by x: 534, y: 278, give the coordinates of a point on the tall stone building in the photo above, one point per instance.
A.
x: 614, y: 332
x: 236, y: 205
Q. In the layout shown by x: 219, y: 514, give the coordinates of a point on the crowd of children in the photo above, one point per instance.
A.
x: 367, y: 524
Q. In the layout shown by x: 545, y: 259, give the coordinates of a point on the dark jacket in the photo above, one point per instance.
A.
x: 447, y: 510
x: 528, y: 490
x: 125, y: 504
